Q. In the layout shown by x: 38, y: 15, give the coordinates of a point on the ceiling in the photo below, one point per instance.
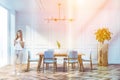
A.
x: 47, y: 5
x: 24, y: 5
x: 33, y: 5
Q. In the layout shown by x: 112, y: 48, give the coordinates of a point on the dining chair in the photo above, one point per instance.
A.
x: 72, y: 59
x: 88, y: 59
x: 50, y: 59
x: 31, y: 59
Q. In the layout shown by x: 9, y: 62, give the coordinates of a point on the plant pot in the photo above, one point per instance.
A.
x: 103, y: 54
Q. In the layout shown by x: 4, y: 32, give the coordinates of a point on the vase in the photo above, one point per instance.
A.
x: 103, y: 54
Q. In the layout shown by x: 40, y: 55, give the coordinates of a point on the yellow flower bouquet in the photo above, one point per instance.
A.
x: 103, y: 34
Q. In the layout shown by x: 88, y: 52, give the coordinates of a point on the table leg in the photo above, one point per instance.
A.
x: 80, y: 63
x: 39, y: 62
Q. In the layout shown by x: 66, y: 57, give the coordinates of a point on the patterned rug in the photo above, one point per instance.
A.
x: 112, y: 72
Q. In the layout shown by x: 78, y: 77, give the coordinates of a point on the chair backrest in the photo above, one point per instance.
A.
x: 49, y: 54
x: 73, y: 55
x: 88, y: 55
x: 32, y: 55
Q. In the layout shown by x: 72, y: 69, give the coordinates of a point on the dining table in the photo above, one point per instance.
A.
x: 41, y: 56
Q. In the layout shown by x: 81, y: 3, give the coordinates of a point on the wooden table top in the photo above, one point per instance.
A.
x: 58, y: 54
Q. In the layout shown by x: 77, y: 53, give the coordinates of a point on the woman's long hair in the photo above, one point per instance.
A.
x: 21, y: 36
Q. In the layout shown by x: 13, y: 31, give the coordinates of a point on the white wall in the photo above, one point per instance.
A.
x: 79, y: 34
x: 10, y: 30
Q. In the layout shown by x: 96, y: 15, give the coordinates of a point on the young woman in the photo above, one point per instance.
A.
x: 19, y: 45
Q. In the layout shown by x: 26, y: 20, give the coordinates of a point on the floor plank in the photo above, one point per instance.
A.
x: 112, y: 72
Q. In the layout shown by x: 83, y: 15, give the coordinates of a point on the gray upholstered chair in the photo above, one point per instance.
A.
x: 88, y: 59
x: 50, y: 59
x: 72, y: 59
x: 31, y: 59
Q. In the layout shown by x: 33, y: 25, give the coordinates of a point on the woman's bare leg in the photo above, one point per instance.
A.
x: 20, y: 61
x: 15, y: 62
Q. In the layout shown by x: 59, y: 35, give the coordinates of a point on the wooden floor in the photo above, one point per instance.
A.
x: 112, y: 72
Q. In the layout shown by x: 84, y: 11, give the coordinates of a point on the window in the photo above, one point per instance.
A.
x: 3, y: 36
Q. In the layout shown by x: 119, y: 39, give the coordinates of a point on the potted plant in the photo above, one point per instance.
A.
x: 103, y: 34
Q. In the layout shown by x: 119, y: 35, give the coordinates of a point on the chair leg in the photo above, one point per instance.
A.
x: 68, y: 66
x: 47, y: 66
x: 80, y: 67
x: 43, y: 66
x: 56, y: 65
x: 63, y: 66
x: 91, y: 64
x: 28, y: 65
x: 72, y: 65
